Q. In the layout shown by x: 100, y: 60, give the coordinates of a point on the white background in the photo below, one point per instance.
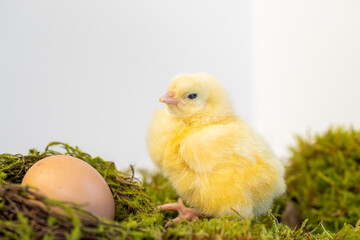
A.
x: 305, y: 69
x: 90, y: 73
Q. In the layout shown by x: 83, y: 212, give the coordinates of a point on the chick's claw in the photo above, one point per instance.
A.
x: 184, y: 212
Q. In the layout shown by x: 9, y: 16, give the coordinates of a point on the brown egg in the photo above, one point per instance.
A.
x: 68, y: 178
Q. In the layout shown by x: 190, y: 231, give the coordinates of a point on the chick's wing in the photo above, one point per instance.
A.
x: 205, y: 148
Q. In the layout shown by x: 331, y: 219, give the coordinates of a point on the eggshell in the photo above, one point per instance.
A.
x: 68, y: 178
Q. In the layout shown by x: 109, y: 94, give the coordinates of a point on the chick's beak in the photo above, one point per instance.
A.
x: 169, y: 99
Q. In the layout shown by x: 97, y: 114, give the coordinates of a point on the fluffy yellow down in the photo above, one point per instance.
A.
x: 213, y: 159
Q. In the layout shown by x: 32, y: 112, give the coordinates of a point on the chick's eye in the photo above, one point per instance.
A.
x: 192, y: 96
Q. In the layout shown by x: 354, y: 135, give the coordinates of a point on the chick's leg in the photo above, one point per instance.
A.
x: 184, y: 212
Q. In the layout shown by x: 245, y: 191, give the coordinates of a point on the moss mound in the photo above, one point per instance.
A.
x: 136, y: 216
x: 324, y: 178
x: 129, y: 196
x: 21, y: 218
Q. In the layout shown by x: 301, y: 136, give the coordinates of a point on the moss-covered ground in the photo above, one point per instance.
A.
x: 137, y: 195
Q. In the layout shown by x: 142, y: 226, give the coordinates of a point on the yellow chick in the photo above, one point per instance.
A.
x: 213, y: 159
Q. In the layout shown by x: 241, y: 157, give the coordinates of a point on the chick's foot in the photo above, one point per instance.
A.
x: 184, y: 212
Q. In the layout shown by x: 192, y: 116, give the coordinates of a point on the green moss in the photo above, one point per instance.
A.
x: 158, y: 187
x: 137, y: 217
x: 129, y: 196
x: 323, y: 178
